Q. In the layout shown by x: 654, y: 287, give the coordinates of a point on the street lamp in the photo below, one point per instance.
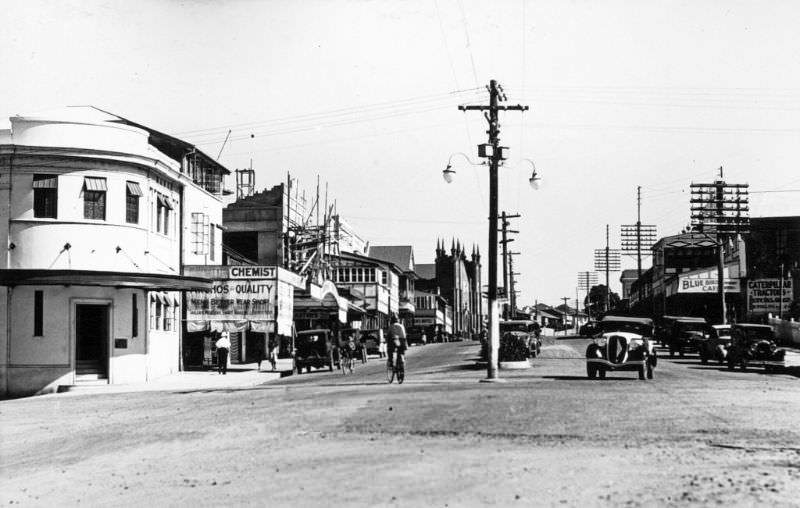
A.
x: 448, y: 172
x: 534, y: 179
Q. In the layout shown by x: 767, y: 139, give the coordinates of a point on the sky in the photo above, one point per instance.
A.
x: 364, y: 95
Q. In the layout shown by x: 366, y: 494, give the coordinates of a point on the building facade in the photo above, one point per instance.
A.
x: 99, y: 215
x: 457, y: 278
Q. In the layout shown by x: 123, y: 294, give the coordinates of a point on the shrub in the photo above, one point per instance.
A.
x: 513, y: 348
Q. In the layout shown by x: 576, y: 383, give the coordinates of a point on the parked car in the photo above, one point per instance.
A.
x: 530, y: 330
x: 314, y: 348
x: 626, y: 343
x: 349, y: 334
x: 715, y: 348
x: 685, y: 334
x: 754, y: 346
x: 589, y: 329
x: 370, y: 340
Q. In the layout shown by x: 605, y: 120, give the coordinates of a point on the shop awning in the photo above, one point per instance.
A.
x: 148, y: 281
x: 134, y: 189
x: 165, y: 202
x: 45, y: 182
x: 91, y: 183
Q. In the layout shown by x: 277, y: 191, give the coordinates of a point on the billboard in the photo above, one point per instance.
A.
x: 706, y: 285
x: 766, y: 295
x: 249, y: 294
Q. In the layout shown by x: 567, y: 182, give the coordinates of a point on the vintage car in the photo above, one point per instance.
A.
x: 350, y: 334
x: 685, y: 334
x: 626, y: 343
x: 754, y: 346
x: 314, y: 348
x: 715, y: 348
x: 589, y: 329
x: 371, y: 341
x: 529, y: 330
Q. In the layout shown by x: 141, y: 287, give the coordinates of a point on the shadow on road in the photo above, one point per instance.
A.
x: 584, y: 378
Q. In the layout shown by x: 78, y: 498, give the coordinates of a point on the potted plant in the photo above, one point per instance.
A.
x: 514, y: 350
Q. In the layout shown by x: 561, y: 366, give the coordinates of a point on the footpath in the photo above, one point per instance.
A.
x: 238, y: 376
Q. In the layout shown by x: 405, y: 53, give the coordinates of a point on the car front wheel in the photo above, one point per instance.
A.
x: 591, y: 371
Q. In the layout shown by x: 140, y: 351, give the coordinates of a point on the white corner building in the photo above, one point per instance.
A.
x: 98, y: 215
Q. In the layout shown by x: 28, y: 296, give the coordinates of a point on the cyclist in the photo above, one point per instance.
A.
x: 397, y: 340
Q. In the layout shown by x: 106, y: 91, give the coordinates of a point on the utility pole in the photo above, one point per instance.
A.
x: 566, y: 299
x: 637, y: 236
x: 512, y: 284
x: 607, y: 260
x: 585, y: 281
x: 495, y: 153
x: 721, y: 208
x: 608, y: 292
x: 507, y: 307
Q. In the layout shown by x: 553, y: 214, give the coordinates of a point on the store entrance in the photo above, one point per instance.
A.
x: 91, y: 341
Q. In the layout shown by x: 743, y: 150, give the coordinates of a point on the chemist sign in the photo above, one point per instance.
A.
x: 250, y: 294
x: 765, y: 295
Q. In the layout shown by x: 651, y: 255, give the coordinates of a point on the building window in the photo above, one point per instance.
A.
x: 132, y: 195
x: 45, y: 196
x: 94, y: 198
x: 38, y: 313
x: 383, y: 278
x: 211, y: 248
x: 134, y: 316
x: 163, y: 208
x: 200, y: 233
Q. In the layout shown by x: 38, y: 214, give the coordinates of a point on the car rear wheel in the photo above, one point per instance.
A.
x: 601, y: 372
x: 703, y: 358
x: 591, y: 371
x: 743, y: 364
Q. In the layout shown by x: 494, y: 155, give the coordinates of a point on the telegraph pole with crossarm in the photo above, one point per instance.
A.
x: 495, y: 153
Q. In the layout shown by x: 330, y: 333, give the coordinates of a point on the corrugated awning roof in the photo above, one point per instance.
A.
x: 134, y: 189
x: 91, y: 183
x: 45, y: 181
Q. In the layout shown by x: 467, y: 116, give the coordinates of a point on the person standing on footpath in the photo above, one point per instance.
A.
x: 223, y: 346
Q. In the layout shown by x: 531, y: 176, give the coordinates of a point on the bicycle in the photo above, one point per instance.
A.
x: 346, y: 360
x: 397, y: 369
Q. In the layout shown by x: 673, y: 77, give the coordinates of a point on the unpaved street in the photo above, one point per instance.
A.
x: 694, y: 436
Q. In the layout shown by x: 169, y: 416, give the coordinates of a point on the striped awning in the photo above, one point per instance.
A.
x: 134, y: 189
x: 91, y: 183
x: 45, y: 181
x: 165, y: 202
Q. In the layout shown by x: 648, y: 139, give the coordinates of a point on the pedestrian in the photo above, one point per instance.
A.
x: 223, y: 346
x: 273, y: 353
x: 259, y: 353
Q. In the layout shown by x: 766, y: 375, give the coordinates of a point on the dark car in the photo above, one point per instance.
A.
x: 685, y: 334
x: 754, y: 346
x: 350, y: 334
x: 529, y: 330
x: 715, y: 348
x: 626, y: 343
x: 314, y: 348
x: 589, y: 329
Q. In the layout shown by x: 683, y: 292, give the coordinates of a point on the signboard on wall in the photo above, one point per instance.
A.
x: 249, y: 294
x: 706, y: 285
x: 765, y: 295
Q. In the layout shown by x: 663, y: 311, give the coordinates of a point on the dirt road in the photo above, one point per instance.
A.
x: 694, y: 436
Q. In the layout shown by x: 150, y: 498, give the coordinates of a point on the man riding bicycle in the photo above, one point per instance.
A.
x: 396, y: 340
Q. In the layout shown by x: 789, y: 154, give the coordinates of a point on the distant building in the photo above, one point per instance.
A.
x: 458, y: 280
x: 401, y: 256
x: 100, y: 214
